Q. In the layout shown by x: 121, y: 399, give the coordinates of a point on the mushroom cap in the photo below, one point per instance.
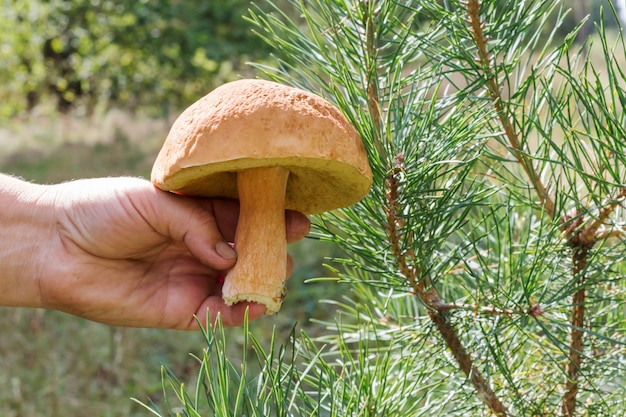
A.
x: 254, y: 123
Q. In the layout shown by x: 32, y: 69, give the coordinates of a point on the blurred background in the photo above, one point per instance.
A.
x: 89, y: 88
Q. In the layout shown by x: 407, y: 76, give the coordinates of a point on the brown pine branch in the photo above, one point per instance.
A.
x: 589, y: 234
x: 577, y: 322
x: 421, y: 285
x: 581, y: 236
x: 465, y: 361
x: 476, y: 24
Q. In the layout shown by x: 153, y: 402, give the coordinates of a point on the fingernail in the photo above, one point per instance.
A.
x: 225, y: 250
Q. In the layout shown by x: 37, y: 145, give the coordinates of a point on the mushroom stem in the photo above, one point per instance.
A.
x: 260, y: 272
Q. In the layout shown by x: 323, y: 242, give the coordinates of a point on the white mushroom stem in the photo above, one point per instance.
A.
x: 261, y: 244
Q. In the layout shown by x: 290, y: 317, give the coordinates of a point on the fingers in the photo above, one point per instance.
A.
x: 227, y: 214
x: 187, y: 221
x: 298, y: 225
x: 205, y: 225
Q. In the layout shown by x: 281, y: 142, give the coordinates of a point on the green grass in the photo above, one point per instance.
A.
x: 57, y: 365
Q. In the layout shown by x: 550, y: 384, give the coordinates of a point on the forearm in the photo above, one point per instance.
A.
x: 26, y: 228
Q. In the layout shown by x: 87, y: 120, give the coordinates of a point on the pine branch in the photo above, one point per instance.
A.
x: 581, y: 235
x: 437, y: 309
x: 358, y: 49
x: 577, y: 321
x: 581, y: 240
x: 476, y: 23
x: 420, y: 283
x: 590, y: 232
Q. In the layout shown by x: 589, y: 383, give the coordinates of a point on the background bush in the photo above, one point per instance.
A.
x: 132, y: 54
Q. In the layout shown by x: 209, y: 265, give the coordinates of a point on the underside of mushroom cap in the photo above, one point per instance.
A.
x: 253, y: 123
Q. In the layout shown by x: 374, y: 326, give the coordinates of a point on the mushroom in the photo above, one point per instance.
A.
x: 272, y: 147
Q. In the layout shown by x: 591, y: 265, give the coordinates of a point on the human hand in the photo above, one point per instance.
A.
x: 125, y: 253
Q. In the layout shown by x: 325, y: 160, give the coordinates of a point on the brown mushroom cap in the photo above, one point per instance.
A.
x: 253, y: 123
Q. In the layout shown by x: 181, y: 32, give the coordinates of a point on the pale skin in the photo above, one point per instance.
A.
x: 120, y: 252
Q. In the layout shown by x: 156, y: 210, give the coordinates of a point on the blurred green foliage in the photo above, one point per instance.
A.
x: 155, y: 56
x: 119, y: 53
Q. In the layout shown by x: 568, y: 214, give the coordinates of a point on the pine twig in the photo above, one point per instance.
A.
x: 421, y: 287
x: 580, y: 238
x: 534, y: 311
x: 588, y: 235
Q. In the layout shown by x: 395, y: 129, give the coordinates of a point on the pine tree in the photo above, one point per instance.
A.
x: 484, y: 271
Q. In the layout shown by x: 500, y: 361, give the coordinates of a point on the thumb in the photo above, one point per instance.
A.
x: 185, y: 220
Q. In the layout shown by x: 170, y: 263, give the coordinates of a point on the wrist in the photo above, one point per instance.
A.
x: 26, y: 232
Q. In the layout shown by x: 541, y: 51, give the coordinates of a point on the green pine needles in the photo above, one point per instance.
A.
x: 486, y: 267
